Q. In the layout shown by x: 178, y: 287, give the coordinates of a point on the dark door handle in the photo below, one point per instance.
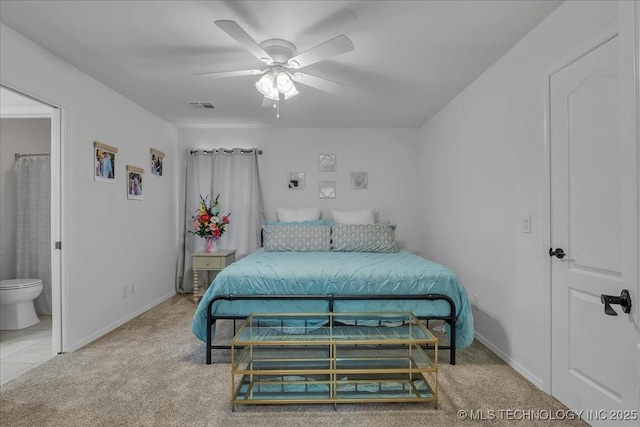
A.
x: 558, y: 253
x: 623, y: 300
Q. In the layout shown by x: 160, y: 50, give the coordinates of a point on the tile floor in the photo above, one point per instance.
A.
x: 25, y: 349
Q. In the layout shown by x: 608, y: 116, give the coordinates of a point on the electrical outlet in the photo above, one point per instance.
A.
x: 125, y: 291
x: 475, y: 302
x: 133, y: 288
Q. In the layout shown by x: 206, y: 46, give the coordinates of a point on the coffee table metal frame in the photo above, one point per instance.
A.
x: 292, y: 358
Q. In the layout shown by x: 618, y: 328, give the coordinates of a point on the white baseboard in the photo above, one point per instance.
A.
x: 121, y: 322
x: 509, y: 361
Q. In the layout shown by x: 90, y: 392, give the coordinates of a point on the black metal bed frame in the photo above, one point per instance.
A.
x: 331, y: 298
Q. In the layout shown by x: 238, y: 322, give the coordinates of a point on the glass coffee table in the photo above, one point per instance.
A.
x: 333, y: 358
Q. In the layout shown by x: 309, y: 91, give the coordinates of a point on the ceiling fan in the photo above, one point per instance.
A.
x: 282, y: 62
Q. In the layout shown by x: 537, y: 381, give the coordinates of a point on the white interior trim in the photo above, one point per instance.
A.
x: 58, y: 143
x: 629, y: 21
x: 538, y: 382
x: 120, y: 322
x: 25, y: 112
x: 56, y: 219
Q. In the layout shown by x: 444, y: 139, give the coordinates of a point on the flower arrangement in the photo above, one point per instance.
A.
x: 208, y: 222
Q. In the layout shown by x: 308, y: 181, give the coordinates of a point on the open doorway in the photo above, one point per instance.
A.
x: 30, y: 139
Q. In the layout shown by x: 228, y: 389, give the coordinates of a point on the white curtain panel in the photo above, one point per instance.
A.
x: 33, y: 239
x: 233, y: 174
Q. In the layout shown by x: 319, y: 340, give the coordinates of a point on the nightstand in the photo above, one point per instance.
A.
x: 207, y: 262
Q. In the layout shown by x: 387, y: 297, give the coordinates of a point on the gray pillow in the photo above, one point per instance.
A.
x: 363, y: 238
x: 296, y: 238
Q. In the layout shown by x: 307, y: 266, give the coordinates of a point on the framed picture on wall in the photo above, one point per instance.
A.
x: 295, y: 180
x: 327, y: 190
x: 134, y: 182
x: 359, y: 180
x: 104, y: 156
x: 157, y: 158
x: 328, y: 163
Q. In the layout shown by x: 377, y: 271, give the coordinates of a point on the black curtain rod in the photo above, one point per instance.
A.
x: 226, y: 151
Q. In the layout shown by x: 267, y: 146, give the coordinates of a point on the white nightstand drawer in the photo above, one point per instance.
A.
x: 209, y: 263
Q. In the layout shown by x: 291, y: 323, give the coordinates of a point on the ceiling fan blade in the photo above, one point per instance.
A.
x: 317, y: 82
x: 334, y: 47
x: 223, y: 74
x: 238, y: 34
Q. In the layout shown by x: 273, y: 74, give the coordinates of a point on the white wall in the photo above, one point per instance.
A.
x: 107, y: 240
x: 482, y: 163
x: 25, y: 136
x: 388, y: 155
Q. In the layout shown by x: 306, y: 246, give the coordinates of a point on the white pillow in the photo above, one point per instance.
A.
x: 362, y: 216
x: 298, y: 215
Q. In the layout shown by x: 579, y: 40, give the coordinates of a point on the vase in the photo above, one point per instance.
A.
x: 210, y: 244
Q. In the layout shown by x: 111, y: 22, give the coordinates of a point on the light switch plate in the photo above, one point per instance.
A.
x: 526, y: 223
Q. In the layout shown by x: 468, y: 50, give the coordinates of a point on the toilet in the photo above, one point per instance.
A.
x: 16, y: 303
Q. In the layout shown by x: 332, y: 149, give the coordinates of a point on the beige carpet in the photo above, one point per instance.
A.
x: 151, y: 372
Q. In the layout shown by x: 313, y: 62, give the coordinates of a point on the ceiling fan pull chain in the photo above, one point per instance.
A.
x: 278, y: 109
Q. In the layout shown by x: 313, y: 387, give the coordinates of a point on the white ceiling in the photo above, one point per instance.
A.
x: 410, y: 59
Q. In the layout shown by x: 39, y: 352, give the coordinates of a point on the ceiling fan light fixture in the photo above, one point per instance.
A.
x: 265, y: 84
x: 274, y: 95
x: 273, y: 91
x: 291, y: 92
x: 284, y: 82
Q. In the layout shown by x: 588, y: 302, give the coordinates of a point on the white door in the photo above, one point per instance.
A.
x: 594, y: 355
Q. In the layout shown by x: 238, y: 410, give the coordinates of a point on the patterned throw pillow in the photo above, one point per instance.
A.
x: 363, y: 238
x: 296, y: 238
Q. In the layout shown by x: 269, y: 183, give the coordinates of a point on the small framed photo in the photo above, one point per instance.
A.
x: 359, y: 180
x: 295, y: 180
x: 327, y: 190
x: 104, y: 162
x: 157, y: 157
x: 328, y: 163
x: 134, y: 182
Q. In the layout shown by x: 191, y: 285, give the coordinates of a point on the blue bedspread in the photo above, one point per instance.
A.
x: 346, y: 273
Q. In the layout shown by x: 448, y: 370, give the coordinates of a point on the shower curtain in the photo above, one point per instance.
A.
x: 233, y: 174
x: 33, y: 242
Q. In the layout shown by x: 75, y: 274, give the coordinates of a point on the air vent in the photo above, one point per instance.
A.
x: 201, y: 105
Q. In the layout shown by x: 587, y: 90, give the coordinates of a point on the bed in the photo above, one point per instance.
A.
x: 320, y: 278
